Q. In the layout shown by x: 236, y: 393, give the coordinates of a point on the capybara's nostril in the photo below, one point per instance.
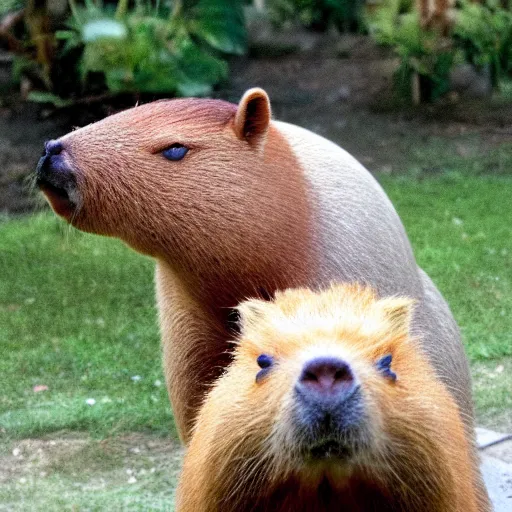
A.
x: 326, y: 375
x: 53, y: 147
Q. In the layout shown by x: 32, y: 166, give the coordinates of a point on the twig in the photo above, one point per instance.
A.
x: 6, y: 24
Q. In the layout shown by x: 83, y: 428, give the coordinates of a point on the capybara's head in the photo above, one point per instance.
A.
x: 319, y: 372
x: 323, y: 385
x: 158, y: 174
x: 329, y: 404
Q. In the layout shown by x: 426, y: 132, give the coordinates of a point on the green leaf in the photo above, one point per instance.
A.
x: 220, y: 23
x: 198, y: 70
x: 104, y: 28
x: 64, y: 34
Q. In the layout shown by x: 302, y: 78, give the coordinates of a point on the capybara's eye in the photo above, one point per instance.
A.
x: 175, y: 152
x: 265, y: 363
x: 383, y: 365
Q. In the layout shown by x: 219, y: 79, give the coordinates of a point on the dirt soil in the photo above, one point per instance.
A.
x: 339, y: 88
x: 77, y: 473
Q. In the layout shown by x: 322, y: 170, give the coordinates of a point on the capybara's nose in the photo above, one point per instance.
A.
x: 327, y: 397
x: 326, y: 376
x: 57, y: 180
x: 54, y: 170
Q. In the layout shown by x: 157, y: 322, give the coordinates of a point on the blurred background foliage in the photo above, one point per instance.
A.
x: 479, y: 34
x: 143, y: 46
x: 318, y: 14
x: 75, y: 48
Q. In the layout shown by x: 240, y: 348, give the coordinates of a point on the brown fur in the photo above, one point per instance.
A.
x: 255, y: 206
x: 241, y: 456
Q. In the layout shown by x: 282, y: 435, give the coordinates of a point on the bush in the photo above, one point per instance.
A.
x: 481, y: 35
x: 483, y: 32
x: 8, y: 6
x: 317, y: 14
x: 154, y: 47
x: 420, y: 51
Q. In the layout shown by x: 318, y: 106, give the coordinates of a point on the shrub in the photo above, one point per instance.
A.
x: 481, y: 35
x: 317, y: 14
x: 152, y: 47
x: 421, y: 52
x: 483, y: 32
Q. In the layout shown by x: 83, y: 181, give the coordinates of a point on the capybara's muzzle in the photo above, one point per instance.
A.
x: 56, y: 179
x: 329, y: 408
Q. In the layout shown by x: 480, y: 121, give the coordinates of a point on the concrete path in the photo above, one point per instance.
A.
x: 496, y: 452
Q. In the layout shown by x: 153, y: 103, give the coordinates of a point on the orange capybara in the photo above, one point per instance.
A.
x: 329, y: 405
x: 232, y: 204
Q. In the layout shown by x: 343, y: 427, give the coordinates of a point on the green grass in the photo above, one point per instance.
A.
x: 131, y: 473
x: 77, y: 311
x: 461, y: 230
x: 77, y: 315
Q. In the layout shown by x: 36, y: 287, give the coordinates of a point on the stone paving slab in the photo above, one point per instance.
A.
x: 496, y: 452
x: 485, y: 437
x: 498, y: 479
x: 501, y: 451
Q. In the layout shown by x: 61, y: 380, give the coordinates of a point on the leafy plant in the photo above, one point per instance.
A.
x: 317, y: 14
x: 175, y: 47
x: 484, y: 34
x: 153, y: 48
x: 481, y: 35
x: 9, y: 5
x: 421, y: 51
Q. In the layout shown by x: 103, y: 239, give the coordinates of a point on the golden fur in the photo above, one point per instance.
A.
x: 242, y: 457
x: 255, y: 206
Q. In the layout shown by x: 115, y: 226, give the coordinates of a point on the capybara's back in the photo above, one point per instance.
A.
x: 329, y: 405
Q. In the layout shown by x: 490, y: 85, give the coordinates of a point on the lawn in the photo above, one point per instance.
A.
x: 77, y: 311
x: 77, y: 316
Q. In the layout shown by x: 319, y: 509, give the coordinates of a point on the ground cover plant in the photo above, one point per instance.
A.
x: 81, y: 357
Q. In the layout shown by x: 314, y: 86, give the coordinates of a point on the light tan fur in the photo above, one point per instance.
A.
x: 242, y: 455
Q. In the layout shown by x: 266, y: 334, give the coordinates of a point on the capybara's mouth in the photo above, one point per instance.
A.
x: 329, y: 449
x: 58, y: 198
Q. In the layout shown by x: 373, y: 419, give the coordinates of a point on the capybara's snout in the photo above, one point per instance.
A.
x: 327, y: 378
x: 329, y: 407
x: 57, y: 179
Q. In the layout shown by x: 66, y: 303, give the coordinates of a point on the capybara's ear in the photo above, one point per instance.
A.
x: 251, y: 312
x: 253, y: 116
x: 398, y: 311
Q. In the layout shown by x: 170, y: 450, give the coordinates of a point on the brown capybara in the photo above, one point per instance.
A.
x: 232, y: 204
x: 329, y: 405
